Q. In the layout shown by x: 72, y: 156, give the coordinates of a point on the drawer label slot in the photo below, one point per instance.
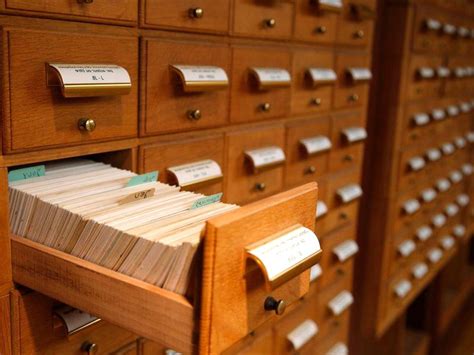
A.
x: 74, y: 319
x: 88, y: 80
x: 338, y: 349
x: 349, y: 193
x: 443, y: 185
x: 467, y: 169
x: 402, y: 288
x: 434, y: 255
x: 462, y: 200
x: 359, y: 75
x: 268, y: 78
x: 424, y: 232
x: 329, y: 5
x: 203, y: 171
x: 416, y: 163
x: 302, y: 334
x: 407, y: 247
x: 321, y: 209
x: 438, y: 114
x: 455, y: 176
x: 447, y: 242
x: 433, y: 154
x: 345, y: 250
x: 439, y: 220
x: 196, y: 78
x: 425, y: 73
x: 443, y: 72
x: 459, y: 231
x: 354, y: 134
x: 316, y: 272
x: 460, y: 142
x: 315, y: 145
x: 451, y: 210
x: 421, y: 119
x: 267, y: 157
x: 341, y: 302
x: 322, y: 76
x: 428, y: 195
x: 419, y: 270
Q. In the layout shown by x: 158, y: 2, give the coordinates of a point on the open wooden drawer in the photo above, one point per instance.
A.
x: 232, y: 289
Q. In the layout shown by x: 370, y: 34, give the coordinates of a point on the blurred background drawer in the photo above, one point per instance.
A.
x: 250, y: 101
x: 423, y: 81
x: 356, y: 24
x: 167, y: 105
x: 243, y: 183
x: 43, y: 117
x: 162, y: 156
x: 267, y: 19
x: 314, y: 24
x: 205, y: 16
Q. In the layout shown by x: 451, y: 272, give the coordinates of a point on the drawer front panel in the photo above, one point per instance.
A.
x: 353, y: 27
x: 313, y: 24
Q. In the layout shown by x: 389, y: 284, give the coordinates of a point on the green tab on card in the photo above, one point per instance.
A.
x: 207, y: 200
x: 26, y: 173
x: 142, y: 179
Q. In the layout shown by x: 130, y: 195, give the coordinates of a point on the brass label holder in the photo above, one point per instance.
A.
x: 270, y: 78
x: 196, y: 173
x: 200, y: 78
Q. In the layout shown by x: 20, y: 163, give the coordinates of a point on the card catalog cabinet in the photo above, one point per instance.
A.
x: 256, y: 100
x: 418, y: 138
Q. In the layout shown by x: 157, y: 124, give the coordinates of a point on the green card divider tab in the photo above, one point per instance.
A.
x: 26, y: 173
x: 207, y: 200
x: 142, y: 179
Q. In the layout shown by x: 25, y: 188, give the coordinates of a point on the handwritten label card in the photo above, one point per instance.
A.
x: 26, y: 173
x: 196, y: 172
x: 139, y: 195
x: 207, y: 200
x: 143, y: 179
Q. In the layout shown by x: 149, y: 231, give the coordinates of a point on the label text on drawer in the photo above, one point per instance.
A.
x: 322, y: 76
x: 265, y: 157
x: 316, y: 145
x: 201, y: 78
x: 268, y: 78
x: 197, y: 172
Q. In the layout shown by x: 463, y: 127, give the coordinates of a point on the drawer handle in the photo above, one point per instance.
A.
x: 260, y: 186
x: 359, y: 34
x: 89, y: 348
x: 353, y: 98
x: 87, y: 124
x: 310, y: 169
x: 344, y: 216
x: 321, y: 29
x: 271, y: 304
x: 316, y: 101
x: 194, y: 115
x: 270, y: 23
x: 265, y: 107
x: 196, y: 12
x: 348, y: 157
x: 85, y: 1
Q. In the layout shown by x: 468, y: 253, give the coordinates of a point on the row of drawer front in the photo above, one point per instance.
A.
x: 258, y: 162
x: 438, y: 31
x: 344, y: 22
x: 167, y: 107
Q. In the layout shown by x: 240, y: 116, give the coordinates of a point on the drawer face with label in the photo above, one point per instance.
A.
x: 100, y: 11
x: 187, y: 86
x: 412, y: 169
x: 315, y: 21
x: 313, y: 83
x: 353, y: 73
x: 460, y: 83
x: 261, y: 83
x: 203, y: 158
x: 427, y: 32
x: 424, y: 81
x: 420, y: 126
x: 206, y: 15
x: 356, y: 24
x: 247, y: 179
x: 308, y: 146
x: 265, y: 19
x: 48, y: 115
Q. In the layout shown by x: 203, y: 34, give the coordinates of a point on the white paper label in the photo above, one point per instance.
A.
x: 455, y: 176
x: 321, y: 209
x: 338, y: 349
x: 465, y: 107
x: 406, y: 247
x: 316, y: 144
x: 451, y: 210
x: 91, y: 74
x: 449, y: 29
x: 434, y: 255
x: 189, y: 174
x: 419, y: 270
x: 432, y: 24
x: 302, y: 334
x: 467, y: 169
x: 460, y: 72
x: 459, y: 231
x: 443, y: 72
x: 443, y: 185
x: 322, y: 75
x: 402, y: 288
x: 360, y: 74
x: 266, y: 156
x: 421, y: 119
x: 462, y: 200
x: 74, y: 319
x: 331, y: 3
x: 433, y: 154
x: 315, y: 272
x: 447, y: 242
x: 272, y: 75
x: 345, y: 250
x: 341, y: 302
x: 424, y: 232
x: 349, y: 193
x: 281, y: 254
x: 411, y: 206
x: 453, y: 110
x: 448, y: 148
x: 354, y: 134
x: 439, y: 220
x: 470, y: 137
x: 416, y: 163
x: 463, y: 32
x: 202, y: 73
x: 438, y: 114
x: 426, y: 73
x: 428, y: 195
x: 460, y: 142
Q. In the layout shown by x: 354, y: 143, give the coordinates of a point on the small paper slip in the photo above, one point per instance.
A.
x: 207, y: 200
x: 26, y: 173
x: 142, y: 179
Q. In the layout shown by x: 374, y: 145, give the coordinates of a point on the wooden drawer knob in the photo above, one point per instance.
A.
x: 310, y: 170
x: 353, y: 98
x: 86, y: 124
x: 321, y: 29
x: 271, y: 304
x: 348, y: 158
x: 89, y: 348
x: 194, y: 115
x: 265, y: 107
x: 260, y: 186
x: 196, y: 12
x: 316, y: 101
x: 270, y: 23
x: 359, y: 34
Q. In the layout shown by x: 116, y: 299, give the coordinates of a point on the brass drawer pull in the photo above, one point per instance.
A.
x: 85, y: 1
x: 270, y: 23
x: 196, y: 13
x: 260, y: 186
x: 353, y: 98
x: 359, y: 34
x: 89, y: 348
x: 194, y: 115
x: 321, y: 29
x: 271, y: 304
x: 265, y: 107
x: 316, y: 101
x: 87, y: 124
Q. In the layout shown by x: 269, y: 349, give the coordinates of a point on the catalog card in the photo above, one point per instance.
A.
x: 268, y: 78
x: 341, y: 302
x: 197, y: 78
x: 302, y: 334
x: 284, y: 257
x: 265, y: 157
x: 322, y: 76
x: 315, y: 145
x: 196, y: 172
